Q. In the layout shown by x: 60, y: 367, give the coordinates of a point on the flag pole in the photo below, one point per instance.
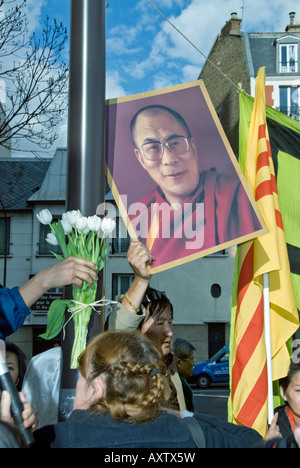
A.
x: 267, y: 330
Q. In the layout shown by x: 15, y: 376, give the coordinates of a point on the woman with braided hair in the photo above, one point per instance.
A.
x: 119, y: 403
x: 129, y: 371
x: 119, y: 397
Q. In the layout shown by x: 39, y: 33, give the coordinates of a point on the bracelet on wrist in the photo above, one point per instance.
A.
x: 137, y: 309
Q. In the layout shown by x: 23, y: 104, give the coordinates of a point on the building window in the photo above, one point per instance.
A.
x: 289, y: 101
x: 287, y: 60
x: 44, y: 247
x: 4, y: 235
x: 121, y: 241
x: 120, y: 284
x: 215, y: 290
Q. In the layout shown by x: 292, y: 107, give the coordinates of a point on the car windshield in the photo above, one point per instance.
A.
x: 224, y: 357
x: 215, y: 355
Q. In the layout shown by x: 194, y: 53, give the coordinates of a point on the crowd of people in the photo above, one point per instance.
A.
x: 133, y: 390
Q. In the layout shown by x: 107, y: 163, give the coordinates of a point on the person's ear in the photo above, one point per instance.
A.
x: 282, y: 393
x: 178, y: 364
x: 97, y: 389
x: 139, y: 158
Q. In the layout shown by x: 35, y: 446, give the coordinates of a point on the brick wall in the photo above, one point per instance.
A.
x: 229, y: 57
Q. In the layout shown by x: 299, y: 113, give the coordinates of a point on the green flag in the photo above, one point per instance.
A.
x: 284, y: 134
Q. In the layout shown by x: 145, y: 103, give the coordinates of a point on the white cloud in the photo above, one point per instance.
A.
x: 169, y: 3
x: 34, y: 10
x: 62, y: 132
x: 123, y: 40
x: 113, y: 86
x: 190, y: 73
x: 201, y: 22
x: 162, y: 80
x: 265, y: 16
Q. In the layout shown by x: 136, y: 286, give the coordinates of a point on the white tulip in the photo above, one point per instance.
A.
x: 94, y: 223
x: 44, y: 217
x: 82, y: 224
x: 51, y: 239
x: 72, y: 216
x: 107, y: 225
x: 66, y: 225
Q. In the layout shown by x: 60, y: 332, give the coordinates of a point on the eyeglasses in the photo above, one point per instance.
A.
x: 153, y: 151
x: 154, y: 295
x: 189, y: 358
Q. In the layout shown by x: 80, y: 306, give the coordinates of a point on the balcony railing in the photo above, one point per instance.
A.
x: 288, y: 67
x: 120, y: 246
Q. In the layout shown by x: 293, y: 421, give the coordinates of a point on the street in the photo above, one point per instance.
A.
x: 212, y: 401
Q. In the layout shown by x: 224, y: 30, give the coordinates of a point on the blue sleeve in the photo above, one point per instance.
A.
x: 13, y: 311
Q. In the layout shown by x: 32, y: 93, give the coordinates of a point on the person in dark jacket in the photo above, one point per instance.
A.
x: 119, y: 401
x: 183, y: 352
x: 118, y: 405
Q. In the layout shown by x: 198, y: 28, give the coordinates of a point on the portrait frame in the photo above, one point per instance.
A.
x: 130, y: 182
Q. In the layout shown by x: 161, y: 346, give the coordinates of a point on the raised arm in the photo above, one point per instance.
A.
x: 139, y: 257
x: 72, y: 270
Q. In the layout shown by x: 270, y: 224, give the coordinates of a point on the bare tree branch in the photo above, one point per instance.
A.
x: 35, y: 78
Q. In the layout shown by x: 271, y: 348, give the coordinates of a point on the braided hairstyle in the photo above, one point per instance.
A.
x: 133, y: 370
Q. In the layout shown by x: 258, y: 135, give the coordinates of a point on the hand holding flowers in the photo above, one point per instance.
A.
x: 81, y: 237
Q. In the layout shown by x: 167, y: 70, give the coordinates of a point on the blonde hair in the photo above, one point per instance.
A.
x: 134, y: 374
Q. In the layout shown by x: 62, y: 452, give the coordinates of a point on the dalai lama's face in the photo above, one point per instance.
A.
x: 176, y: 174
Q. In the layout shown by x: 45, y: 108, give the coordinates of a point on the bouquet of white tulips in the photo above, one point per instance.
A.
x: 77, y: 236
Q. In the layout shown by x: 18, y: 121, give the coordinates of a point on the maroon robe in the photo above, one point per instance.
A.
x: 218, y: 212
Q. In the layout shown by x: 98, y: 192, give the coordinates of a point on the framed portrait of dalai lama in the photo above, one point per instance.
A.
x: 175, y: 179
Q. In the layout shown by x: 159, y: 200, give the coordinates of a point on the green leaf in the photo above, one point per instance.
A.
x: 90, y: 241
x: 59, y: 257
x: 61, y: 237
x: 72, y: 246
x: 97, y: 249
x: 100, y: 264
x: 56, y: 318
x: 104, y: 250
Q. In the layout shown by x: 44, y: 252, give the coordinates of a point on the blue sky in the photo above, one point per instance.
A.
x: 144, y: 53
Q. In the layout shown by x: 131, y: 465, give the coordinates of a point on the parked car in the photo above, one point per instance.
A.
x: 214, y: 370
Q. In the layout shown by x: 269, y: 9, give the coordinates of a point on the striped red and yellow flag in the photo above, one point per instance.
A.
x: 265, y: 254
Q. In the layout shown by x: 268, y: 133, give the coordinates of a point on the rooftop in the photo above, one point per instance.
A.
x: 20, y: 178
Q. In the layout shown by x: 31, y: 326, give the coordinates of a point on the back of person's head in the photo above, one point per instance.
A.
x: 10, y: 436
x: 181, y: 348
x: 155, y: 303
x: 293, y: 369
x: 13, y: 348
x: 133, y: 370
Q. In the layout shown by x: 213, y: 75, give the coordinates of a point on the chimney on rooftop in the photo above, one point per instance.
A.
x: 293, y: 27
x: 233, y: 26
x: 292, y: 17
